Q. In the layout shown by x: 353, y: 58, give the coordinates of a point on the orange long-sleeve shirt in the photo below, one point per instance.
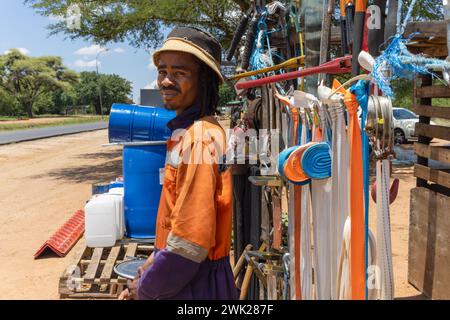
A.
x: 195, y: 209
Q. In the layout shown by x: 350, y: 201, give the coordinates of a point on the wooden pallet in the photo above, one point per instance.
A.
x: 91, y: 274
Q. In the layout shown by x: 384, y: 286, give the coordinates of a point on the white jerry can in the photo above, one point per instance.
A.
x: 120, y: 217
x: 103, y: 220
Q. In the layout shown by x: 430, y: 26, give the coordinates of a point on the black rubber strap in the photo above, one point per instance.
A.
x: 249, y: 42
x: 237, y: 36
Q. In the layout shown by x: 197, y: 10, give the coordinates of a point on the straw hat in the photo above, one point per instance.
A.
x: 197, y: 42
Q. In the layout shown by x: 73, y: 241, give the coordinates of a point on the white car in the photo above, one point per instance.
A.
x: 404, y: 124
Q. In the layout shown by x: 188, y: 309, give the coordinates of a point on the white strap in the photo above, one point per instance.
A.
x: 321, y: 194
x: 384, y: 232
x: 305, y: 238
x: 321, y: 207
x: 340, y: 193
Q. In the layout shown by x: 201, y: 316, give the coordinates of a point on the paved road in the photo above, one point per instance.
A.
x: 39, y: 133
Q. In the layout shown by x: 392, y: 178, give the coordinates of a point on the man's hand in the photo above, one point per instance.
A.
x: 125, y: 295
x: 130, y: 293
x: 147, y: 264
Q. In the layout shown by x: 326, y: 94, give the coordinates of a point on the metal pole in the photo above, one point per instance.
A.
x: 99, y: 86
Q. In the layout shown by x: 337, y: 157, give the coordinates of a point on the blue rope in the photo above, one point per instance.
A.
x: 428, y: 63
x: 398, y: 61
x: 408, y: 15
x: 399, y: 16
x: 262, y: 57
x: 391, y: 60
x: 256, y: 60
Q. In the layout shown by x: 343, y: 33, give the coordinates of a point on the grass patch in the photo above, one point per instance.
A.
x: 8, y: 118
x: 30, y: 124
x: 441, y: 102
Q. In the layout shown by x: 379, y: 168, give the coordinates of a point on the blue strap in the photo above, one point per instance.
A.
x: 362, y: 91
x: 308, y: 135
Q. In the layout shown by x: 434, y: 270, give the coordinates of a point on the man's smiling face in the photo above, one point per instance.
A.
x: 178, y: 79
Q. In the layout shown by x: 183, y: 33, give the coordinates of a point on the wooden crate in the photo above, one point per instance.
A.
x: 91, y: 274
x: 433, y: 140
x: 429, y: 228
x: 429, y: 243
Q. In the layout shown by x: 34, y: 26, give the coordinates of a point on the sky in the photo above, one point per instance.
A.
x: 21, y: 27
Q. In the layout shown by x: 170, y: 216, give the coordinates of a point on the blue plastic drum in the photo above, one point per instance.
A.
x: 141, y: 172
x: 131, y: 122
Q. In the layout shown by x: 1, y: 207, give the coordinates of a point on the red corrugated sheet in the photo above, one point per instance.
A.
x: 66, y: 237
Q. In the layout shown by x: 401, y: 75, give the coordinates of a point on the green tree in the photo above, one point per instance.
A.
x: 226, y: 94
x: 114, y: 89
x: 44, y: 104
x: 141, y: 22
x: 424, y: 10
x: 62, y: 99
x: 29, y: 78
x: 8, y: 105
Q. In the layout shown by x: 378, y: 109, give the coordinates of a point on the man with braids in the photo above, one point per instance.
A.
x: 193, y: 227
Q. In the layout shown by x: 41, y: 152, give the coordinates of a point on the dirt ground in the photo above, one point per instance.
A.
x: 44, y: 182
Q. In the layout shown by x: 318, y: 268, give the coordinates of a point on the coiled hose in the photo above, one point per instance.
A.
x: 316, y: 161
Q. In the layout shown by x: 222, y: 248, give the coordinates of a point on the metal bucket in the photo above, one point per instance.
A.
x: 142, y: 167
x: 130, y: 122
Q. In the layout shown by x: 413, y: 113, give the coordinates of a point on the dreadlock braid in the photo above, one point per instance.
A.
x: 209, y: 90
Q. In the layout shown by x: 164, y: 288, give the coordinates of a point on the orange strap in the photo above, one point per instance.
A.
x: 318, y: 135
x: 357, y: 272
x: 297, y: 204
x: 297, y: 214
x: 297, y: 231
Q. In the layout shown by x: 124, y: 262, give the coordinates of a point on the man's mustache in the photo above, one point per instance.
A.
x: 170, y: 89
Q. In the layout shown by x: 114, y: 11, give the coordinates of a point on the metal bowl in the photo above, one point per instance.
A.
x: 129, y: 269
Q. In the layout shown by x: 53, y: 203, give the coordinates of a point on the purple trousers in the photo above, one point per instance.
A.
x: 174, y: 277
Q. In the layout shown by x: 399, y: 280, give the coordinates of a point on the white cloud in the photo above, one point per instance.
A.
x: 151, y: 66
x: 56, y: 18
x: 22, y: 51
x: 95, y: 49
x: 90, y: 51
x: 152, y: 85
x: 86, y: 63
